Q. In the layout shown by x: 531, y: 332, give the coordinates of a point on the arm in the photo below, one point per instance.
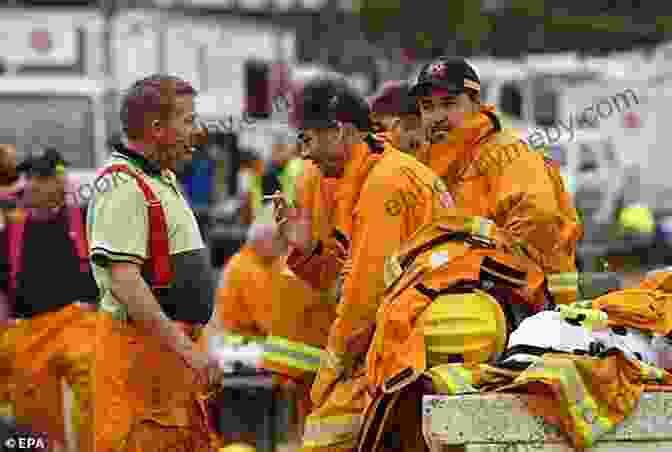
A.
x: 377, y: 233
x: 528, y: 208
x: 130, y: 288
x: 118, y: 236
x: 321, y: 262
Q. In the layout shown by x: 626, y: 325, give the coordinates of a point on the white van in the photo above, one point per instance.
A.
x: 65, y: 113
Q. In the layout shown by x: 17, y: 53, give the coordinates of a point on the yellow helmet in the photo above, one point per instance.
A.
x: 238, y: 447
x: 469, y: 325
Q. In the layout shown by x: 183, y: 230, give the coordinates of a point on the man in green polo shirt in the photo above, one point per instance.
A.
x: 149, y: 377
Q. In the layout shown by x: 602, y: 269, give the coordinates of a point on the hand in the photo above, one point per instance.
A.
x: 204, y: 365
x: 294, y: 225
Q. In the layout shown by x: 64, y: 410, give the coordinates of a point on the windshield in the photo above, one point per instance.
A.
x: 35, y: 121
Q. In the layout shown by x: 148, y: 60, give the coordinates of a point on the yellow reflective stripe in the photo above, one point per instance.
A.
x: 583, y: 304
x: 563, y: 282
x: 292, y: 354
x: 590, y: 425
x: 332, y: 430
x: 581, y: 407
x: 392, y: 271
x: 451, y: 379
x: 651, y: 373
x: 481, y: 226
x: 239, y: 339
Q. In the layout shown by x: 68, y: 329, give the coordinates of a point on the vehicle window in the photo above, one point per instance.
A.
x: 511, y: 100
x: 588, y: 160
x: 32, y: 122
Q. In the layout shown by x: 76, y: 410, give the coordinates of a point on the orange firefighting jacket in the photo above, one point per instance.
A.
x: 491, y: 173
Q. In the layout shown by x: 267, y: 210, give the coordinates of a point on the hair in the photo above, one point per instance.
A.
x: 262, y: 230
x: 324, y: 101
x: 149, y: 99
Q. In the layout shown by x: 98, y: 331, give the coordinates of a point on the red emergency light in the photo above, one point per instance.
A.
x: 40, y: 41
x: 632, y: 120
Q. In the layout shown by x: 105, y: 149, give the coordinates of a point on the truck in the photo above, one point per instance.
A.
x: 63, y: 72
x: 52, y: 85
x: 629, y: 112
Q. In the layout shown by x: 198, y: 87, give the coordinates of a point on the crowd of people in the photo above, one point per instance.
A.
x: 411, y: 208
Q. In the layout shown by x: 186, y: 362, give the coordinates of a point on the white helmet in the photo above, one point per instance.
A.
x: 548, y: 332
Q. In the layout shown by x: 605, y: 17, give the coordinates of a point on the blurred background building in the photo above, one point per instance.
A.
x: 64, y: 64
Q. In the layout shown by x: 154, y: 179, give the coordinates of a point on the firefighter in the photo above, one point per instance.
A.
x: 395, y: 114
x: 153, y: 270
x: 492, y: 174
x: 382, y: 197
x: 487, y: 266
x: 53, y: 302
x: 10, y: 185
x: 260, y: 301
x: 396, y: 119
x: 10, y: 182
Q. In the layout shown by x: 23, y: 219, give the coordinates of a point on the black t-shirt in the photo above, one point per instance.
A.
x: 50, y: 276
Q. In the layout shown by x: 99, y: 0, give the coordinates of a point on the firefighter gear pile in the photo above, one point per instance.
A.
x: 590, y: 361
x: 452, y: 295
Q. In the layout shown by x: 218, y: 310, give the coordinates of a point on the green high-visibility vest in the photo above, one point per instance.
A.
x: 288, y: 177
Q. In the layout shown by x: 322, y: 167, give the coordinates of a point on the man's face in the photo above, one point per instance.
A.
x: 325, y: 147
x: 441, y: 114
x: 383, y: 123
x: 46, y: 191
x: 8, y: 162
x: 177, y: 134
x: 411, y: 133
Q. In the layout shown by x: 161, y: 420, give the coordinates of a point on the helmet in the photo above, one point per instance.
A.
x: 469, y: 327
x: 552, y: 331
x: 394, y: 99
x: 238, y: 447
x: 453, y: 75
x: 544, y: 332
x: 323, y: 102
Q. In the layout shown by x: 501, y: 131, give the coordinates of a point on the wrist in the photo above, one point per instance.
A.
x: 306, y: 248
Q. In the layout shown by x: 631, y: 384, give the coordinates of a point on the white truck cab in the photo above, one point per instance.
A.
x: 61, y: 112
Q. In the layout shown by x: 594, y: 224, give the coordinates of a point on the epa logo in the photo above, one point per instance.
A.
x: 21, y: 442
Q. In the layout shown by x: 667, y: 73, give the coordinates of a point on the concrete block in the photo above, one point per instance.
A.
x: 501, y: 422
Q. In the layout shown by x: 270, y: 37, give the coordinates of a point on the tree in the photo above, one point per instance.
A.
x: 463, y: 26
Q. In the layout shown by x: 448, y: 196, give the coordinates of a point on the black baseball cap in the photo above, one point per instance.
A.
x: 48, y: 163
x: 452, y: 74
x: 323, y: 102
